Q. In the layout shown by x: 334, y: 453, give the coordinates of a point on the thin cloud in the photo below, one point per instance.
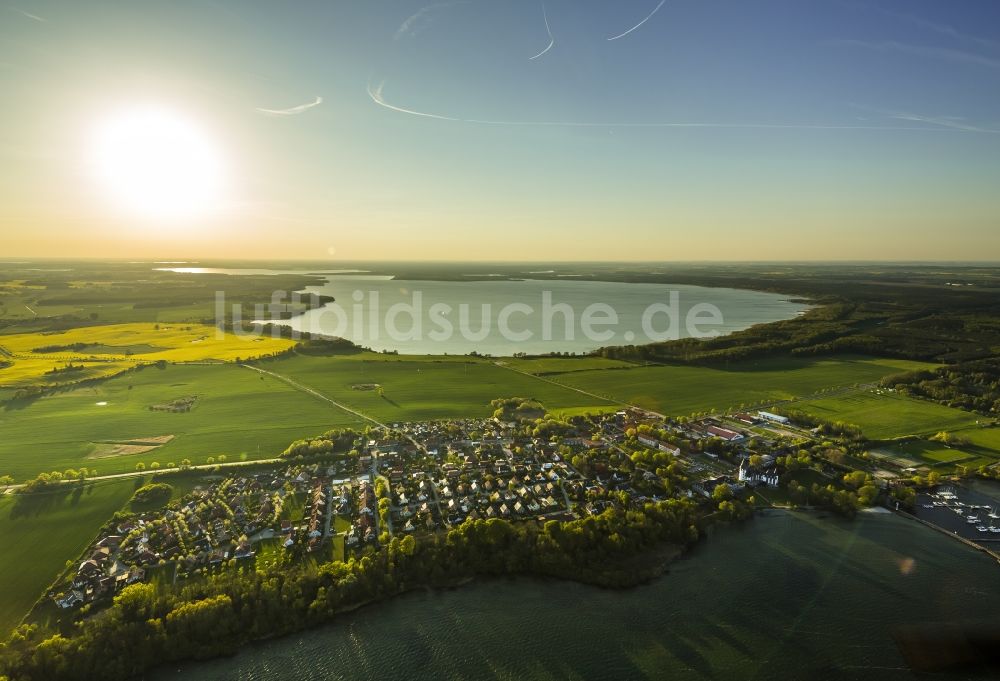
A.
x: 291, y: 111
x: 29, y: 15
x: 552, y: 40
x: 951, y: 122
x: 376, y: 93
x: 943, y: 53
x: 418, y: 21
x: 942, y: 29
x: 648, y: 17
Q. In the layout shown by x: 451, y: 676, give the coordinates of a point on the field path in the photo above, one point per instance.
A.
x: 320, y: 396
x: 602, y: 398
x: 315, y: 393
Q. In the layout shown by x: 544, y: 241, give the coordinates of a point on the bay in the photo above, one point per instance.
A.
x: 785, y: 596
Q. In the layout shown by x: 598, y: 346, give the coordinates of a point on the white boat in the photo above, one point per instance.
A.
x: 972, y: 520
x: 995, y: 529
x: 993, y: 513
x: 983, y: 528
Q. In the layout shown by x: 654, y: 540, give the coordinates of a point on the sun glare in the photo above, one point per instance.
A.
x: 158, y: 164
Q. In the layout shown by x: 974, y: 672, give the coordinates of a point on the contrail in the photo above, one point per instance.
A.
x: 552, y: 40
x: 291, y: 111
x: 416, y: 22
x: 375, y: 93
x: 622, y: 35
x: 29, y: 15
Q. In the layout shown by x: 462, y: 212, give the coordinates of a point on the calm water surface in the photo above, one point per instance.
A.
x: 550, y: 317
x: 786, y: 596
x: 361, y: 298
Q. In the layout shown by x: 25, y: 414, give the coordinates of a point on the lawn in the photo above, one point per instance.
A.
x: 292, y: 507
x: 42, y: 532
x: 683, y: 390
x: 105, y: 350
x: 420, y: 389
x: 183, y: 482
x: 986, y: 438
x: 237, y: 412
x: 932, y: 454
x: 882, y: 415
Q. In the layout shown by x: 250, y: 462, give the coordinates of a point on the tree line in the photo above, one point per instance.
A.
x: 145, y: 627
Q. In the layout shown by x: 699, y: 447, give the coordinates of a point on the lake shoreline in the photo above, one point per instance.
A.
x: 662, y: 557
x: 548, y: 314
x: 660, y: 617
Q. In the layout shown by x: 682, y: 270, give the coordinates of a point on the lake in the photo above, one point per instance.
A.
x: 785, y: 596
x: 500, y: 317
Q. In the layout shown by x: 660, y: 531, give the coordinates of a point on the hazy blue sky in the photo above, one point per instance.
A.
x: 489, y: 129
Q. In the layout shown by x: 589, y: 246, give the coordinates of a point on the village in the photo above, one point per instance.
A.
x: 419, y: 478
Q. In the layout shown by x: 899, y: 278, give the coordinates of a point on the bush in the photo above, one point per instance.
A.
x: 153, y: 494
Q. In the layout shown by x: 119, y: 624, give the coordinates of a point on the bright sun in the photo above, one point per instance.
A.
x: 156, y: 163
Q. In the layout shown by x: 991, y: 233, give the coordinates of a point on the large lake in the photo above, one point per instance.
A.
x: 785, y: 596
x: 500, y: 317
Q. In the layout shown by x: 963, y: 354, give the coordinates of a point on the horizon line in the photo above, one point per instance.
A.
x: 190, y: 260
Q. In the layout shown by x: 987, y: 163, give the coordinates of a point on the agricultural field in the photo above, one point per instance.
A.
x: 42, y: 531
x: 558, y: 365
x: 883, y: 416
x: 46, y: 298
x: 683, y: 390
x: 393, y: 388
x: 58, y: 357
x: 160, y: 414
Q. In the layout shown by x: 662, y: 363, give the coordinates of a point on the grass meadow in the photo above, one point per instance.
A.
x: 420, y: 389
x: 560, y: 365
x: 683, y: 390
x: 236, y: 412
x: 884, y: 416
x: 43, y: 531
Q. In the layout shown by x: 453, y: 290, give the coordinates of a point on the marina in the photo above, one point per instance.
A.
x: 961, y: 511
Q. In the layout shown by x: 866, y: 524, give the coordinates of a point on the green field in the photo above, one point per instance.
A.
x: 420, y: 389
x: 923, y: 452
x: 558, y: 365
x: 41, y: 532
x: 245, y: 415
x: 883, y: 416
x: 683, y: 390
x: 238, y: 413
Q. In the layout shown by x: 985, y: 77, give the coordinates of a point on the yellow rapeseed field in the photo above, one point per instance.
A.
x: 96, y: 351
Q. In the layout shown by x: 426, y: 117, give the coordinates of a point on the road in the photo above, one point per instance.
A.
x: 329, y: 510
x: 137, y: 474
x: 295, y: 384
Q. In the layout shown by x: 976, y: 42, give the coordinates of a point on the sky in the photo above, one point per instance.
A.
x: 501, y: 129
